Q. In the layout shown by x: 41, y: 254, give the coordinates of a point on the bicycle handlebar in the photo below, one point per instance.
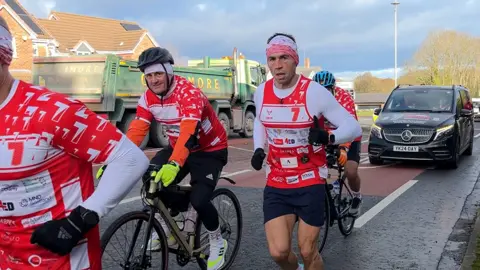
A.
x: 332, y: 155
x: 147, y: 177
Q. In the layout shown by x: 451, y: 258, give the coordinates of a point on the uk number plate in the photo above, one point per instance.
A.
x: 405, y: 148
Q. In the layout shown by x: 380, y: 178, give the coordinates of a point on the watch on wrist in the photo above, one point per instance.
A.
x: 173, y: 162
x: 331, y: 138
x: 89, y: 218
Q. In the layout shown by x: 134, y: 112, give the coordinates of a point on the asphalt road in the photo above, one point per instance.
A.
x: 414, y: 216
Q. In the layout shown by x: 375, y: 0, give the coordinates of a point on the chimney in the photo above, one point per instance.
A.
x: 306, y: 62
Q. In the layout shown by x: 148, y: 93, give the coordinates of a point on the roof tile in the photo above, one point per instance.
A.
x: 102, y: 34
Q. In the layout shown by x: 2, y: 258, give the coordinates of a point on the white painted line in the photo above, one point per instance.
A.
x: 136, y: 198
x: 365, y: 141
x: 131, y: 199
x: 152, y: 150
x: 236, y: 173
x: 476, y: 136
x: 372, y: 212
x: 238, y: 148
x: 374, y: 167
x: 364, y: 160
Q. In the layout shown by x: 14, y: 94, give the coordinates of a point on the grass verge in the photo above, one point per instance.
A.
x: 365, y: 113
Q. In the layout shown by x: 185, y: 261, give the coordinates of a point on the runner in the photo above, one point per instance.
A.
x: 350, y: 152
x: 49, y: 207
x: 198, y: 142
x: 296, y: 164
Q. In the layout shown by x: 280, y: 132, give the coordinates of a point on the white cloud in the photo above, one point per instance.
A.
x: 340, y: 35
x: 380, y: 73
x: 201, y: 7
x: 39, y: 8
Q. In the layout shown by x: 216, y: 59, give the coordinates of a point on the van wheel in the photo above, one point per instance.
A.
x: 453, y: 162
x: 469, y: 150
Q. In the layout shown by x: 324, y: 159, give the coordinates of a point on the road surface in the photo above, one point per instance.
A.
x: 414, y: 216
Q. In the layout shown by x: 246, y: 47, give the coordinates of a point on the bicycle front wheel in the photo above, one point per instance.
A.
x: 221, y: 199
x: 144, y: 259
x: 345, y: 221
x: 322, y: 238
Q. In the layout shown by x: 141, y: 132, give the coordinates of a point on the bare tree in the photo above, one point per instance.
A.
x: 446, y: 58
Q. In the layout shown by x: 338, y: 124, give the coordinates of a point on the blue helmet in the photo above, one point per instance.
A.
x: 324, y: 78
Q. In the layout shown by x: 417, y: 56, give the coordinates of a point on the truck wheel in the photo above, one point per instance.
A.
x: 157, y: 135
x: 248, y: 126
x: 223, y: 117
x: 125, y: 123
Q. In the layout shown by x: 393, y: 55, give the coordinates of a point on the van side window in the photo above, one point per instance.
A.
x: 466, y: 100
x: 459, y: 102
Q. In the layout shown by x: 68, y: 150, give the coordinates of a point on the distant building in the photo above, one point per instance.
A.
x: 68, y: 34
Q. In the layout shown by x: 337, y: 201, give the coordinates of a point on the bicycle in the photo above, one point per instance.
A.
x: 189, y: 248
x: 336, y: 206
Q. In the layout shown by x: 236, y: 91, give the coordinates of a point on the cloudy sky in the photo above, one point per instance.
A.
x: 343, y: 36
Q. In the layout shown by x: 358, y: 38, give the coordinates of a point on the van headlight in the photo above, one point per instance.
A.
x: 376, y: 131
x: 443, y: 132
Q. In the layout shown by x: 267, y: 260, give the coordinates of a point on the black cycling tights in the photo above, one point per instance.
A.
x: 200, y: 200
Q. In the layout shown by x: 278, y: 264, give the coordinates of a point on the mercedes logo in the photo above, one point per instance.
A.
x: 406, y: 135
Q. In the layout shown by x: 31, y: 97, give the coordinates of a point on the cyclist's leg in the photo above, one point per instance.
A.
x: 279, y: 220
x: 310, y: 206
x: 351, y: 171
x: 205, y: 169
x: 161, y: 158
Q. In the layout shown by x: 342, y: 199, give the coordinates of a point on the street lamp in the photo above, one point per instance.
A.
x: 395, y: 4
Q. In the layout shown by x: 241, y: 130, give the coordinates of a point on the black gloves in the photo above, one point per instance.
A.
x: 257, y: 159
x: 317, y: 135
x: 61, y: 236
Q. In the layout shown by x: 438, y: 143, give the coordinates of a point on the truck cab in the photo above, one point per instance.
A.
x: 238, y: 113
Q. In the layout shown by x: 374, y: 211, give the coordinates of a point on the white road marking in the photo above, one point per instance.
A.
x: 365, y: 141
x: 239, y: 148
x: 476, y: 136
x: 136, y: 198
x: 364, y: 160
x: 374, y: 167
x: 152, y: 150
x: 372, y: 212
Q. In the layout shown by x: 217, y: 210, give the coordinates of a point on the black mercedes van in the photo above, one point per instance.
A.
x: 423, y: 122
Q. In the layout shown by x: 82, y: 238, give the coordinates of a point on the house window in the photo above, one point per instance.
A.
x: 14, y: 47
x: 35, y: 50
x: 83, y: 53
x: 52, y: 51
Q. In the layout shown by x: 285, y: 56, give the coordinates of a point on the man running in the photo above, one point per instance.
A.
x: 288, y: 106
x: 198, y: 141
x: 349, y: 152
x: 49, y: 206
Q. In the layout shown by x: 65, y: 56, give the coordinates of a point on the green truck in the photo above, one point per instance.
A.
x: 111, y: 87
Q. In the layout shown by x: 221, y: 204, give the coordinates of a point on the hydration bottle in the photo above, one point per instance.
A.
x: 180, y: 220
x: 190, y: 220
x: 336, y: 187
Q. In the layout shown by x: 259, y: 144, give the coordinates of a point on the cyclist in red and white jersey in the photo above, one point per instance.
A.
x: 349, y: 152
x: 49, y: 207
x: 288, y: 108
x: 198, y: 143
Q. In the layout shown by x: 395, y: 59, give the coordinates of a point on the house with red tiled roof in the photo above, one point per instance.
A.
x: 97, y: 35
x: 64, y: 34
x: 28, y: 36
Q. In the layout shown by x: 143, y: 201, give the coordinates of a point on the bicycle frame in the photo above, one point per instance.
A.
x: 156, y: 203
x: 332, y: 155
